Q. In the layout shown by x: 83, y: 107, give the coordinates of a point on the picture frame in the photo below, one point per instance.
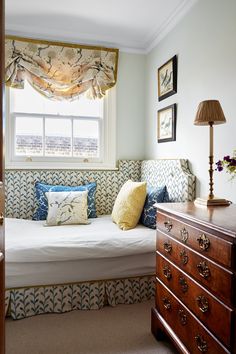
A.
x: 167, y: 79
x: 166, y: 124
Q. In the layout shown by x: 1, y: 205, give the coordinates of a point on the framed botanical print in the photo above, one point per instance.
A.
x: 167, y: 79
x: 166, y: 124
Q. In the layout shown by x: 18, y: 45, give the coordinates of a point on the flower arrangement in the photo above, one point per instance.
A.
x: 229, y: 164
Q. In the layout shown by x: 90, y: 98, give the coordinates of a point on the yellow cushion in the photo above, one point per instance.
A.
x: 129, y: 204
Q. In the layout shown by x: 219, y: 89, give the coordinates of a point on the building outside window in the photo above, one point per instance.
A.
x: 44, y: 133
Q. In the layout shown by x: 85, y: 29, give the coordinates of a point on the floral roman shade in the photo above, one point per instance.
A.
x: 60, y: 70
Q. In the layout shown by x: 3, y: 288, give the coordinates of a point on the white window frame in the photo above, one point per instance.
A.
x: 107, y: 144
x: 19, y: 158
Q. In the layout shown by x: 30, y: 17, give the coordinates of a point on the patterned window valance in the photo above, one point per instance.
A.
x: 60, y: 70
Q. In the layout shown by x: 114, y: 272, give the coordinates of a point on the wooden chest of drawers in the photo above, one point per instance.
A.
x: 195, y: 277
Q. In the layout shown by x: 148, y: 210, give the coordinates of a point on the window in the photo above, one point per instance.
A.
x: 42, y: 133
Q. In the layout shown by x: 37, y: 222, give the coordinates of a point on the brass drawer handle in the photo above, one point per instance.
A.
x: 183, y: 284
x: 204, y: 270
x: 184, y: 235
x: 202, y: 303
x: 204, y: 242
x: 182, y: 317
x: 167, y: 246
x: 166, y: 303
x: 168, y: 225
x: 167, y: 272
x: 201, y: 343
x: 183, y: 257
x: 1, y: 218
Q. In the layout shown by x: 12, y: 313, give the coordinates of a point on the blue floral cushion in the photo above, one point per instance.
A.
x: 154, y: 195
x: 41, y: 188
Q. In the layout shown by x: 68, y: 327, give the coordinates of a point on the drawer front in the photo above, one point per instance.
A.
x: 190, y: 331
x: 206, y: 307
x: 217, y: 279
x: 203, y: 242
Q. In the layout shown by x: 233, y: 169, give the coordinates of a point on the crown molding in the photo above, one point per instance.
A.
x: 136, y: 47
x: 169, y: 24
x: 23, y: 31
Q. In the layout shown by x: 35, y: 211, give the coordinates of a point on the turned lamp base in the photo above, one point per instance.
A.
x: 211, y: 201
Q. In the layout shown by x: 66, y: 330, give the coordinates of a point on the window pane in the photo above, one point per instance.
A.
x: 29, y: 136
x: 28, y: 100
x: 86, y: 138
x: 58, y: 136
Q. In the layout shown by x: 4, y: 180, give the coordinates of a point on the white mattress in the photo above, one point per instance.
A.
x: 39, y: 255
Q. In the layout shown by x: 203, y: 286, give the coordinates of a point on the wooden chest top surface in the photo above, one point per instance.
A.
x: 219, y: 218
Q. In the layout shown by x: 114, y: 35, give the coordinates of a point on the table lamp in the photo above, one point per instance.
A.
x: 209, y: 113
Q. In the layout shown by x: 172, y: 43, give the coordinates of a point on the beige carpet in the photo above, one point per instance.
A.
x: 119, y: 330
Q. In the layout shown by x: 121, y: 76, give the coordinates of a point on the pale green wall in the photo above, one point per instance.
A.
x: 130, y: 106
x: 205, y: 44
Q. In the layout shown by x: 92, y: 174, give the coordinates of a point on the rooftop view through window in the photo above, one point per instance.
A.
x: 55, y: 128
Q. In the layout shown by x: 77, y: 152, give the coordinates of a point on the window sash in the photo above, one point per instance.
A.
x: 15, y: 157
x: 107, y: 159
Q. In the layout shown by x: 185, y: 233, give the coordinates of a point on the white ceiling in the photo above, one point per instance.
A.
x: 130, y: 25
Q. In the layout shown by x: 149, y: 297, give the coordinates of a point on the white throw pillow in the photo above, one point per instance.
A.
x: 67, y: 208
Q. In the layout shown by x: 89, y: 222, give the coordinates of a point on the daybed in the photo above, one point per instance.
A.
x: 62, y: 268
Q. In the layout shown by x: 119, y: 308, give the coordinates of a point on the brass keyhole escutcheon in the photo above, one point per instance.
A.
x: 168, y: 225
x: 182, y: 317
x: 184, y: 235
x: 167, y: 247
x: 204, y: 270
x: 204, y: 242
x: 167, y: 272
x: 183, y: 284
x: 201, y: 343
x: 166, y: 303
x: 202, y: 303
x: 183, y: 257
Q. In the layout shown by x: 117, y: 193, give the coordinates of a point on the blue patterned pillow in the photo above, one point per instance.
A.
x: 41, y: 188
x: 154, y: 195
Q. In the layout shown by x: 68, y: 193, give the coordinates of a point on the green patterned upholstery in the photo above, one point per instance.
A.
x: 20, y: 194
x: 21, y: 202
x: 31, y: 301
x: 174, y: 174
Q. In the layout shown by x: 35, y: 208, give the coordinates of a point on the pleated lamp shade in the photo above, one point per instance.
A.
x: 209, y: 111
